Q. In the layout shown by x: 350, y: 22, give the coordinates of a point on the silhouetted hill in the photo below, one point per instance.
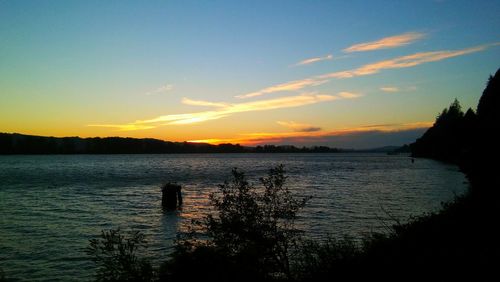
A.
x: 29, y: 144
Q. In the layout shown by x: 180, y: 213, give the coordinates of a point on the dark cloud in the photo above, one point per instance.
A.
x: 309, y: 129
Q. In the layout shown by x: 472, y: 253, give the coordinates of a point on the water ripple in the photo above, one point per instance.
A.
x: 50, y: 206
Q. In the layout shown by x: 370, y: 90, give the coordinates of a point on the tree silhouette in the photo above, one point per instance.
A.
x: 469, y: 139
x: 488, y: 108
x: 444, y: 139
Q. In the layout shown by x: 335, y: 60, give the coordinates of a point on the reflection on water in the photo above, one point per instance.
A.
x: 50, y: 206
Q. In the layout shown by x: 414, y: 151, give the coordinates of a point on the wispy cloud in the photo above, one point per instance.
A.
x: 349, y: 95
x: 262, y: 105
x: 390, y: 89
x: 395, y: 89
x: 314, y: 60
x: 225, y: 110
x: 405, y: 62
x: 160, y: 90
x: 299, y: 127
x: 288, y: 86
x: 313, y: 136
x: 188, y: 101
x: 368, y: 69
x: 387, y: 42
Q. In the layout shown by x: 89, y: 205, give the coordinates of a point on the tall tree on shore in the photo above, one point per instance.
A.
x: 455, y: 134
x: 470, y: 140
x: 488, y: 109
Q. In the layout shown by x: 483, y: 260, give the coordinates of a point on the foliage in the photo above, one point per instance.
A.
x: 457, y: 242
x: 469, y: 140
x: 115, y: 256
x: 454, y: 243
x: 453, y: 135
x: 320, y: 260
x: 487, y: 108
x: 259, y: 224
x: 205, y: 263
x: 446, y: 138
x: 253, y: 229
x: 456, y: 136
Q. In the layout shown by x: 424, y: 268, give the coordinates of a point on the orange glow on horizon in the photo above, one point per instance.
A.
x: 253, y: 139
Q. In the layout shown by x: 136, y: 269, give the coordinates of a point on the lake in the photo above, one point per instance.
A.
x: 50, y: 206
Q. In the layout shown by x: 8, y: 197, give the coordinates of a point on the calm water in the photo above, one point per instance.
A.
x: 50, y: 206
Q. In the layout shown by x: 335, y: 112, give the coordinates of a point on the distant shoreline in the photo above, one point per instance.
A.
x: 21, y: 144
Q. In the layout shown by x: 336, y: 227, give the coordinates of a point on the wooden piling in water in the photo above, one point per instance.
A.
x: 171, y: 196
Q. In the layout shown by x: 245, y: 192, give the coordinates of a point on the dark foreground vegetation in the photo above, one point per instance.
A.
x: 252, y: 237
x: 13, y: 143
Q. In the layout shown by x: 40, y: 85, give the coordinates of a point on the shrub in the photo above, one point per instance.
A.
x: 252, y: 230
x: 320, y: 260
x: 116, y: 257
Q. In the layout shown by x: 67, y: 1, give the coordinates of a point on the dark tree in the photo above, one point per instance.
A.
x: 444, y: 140
x: 488, y: 109
x: 470, y: 140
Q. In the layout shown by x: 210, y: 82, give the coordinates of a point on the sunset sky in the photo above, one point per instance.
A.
x: 338, y: 73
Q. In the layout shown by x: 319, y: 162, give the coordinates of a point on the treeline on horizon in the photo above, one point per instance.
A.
x: 13, y: 143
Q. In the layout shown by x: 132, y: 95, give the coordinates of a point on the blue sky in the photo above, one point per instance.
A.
x: 105, y: 68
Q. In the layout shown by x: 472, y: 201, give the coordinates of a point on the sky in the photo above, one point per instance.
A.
x: 353, y: 74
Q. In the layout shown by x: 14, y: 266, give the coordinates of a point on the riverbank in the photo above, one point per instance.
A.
x: 458, y: 241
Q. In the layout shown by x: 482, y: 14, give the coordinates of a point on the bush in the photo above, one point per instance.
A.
x: 252, y: 231
x: 319, y: 260
x: 116, y: 257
